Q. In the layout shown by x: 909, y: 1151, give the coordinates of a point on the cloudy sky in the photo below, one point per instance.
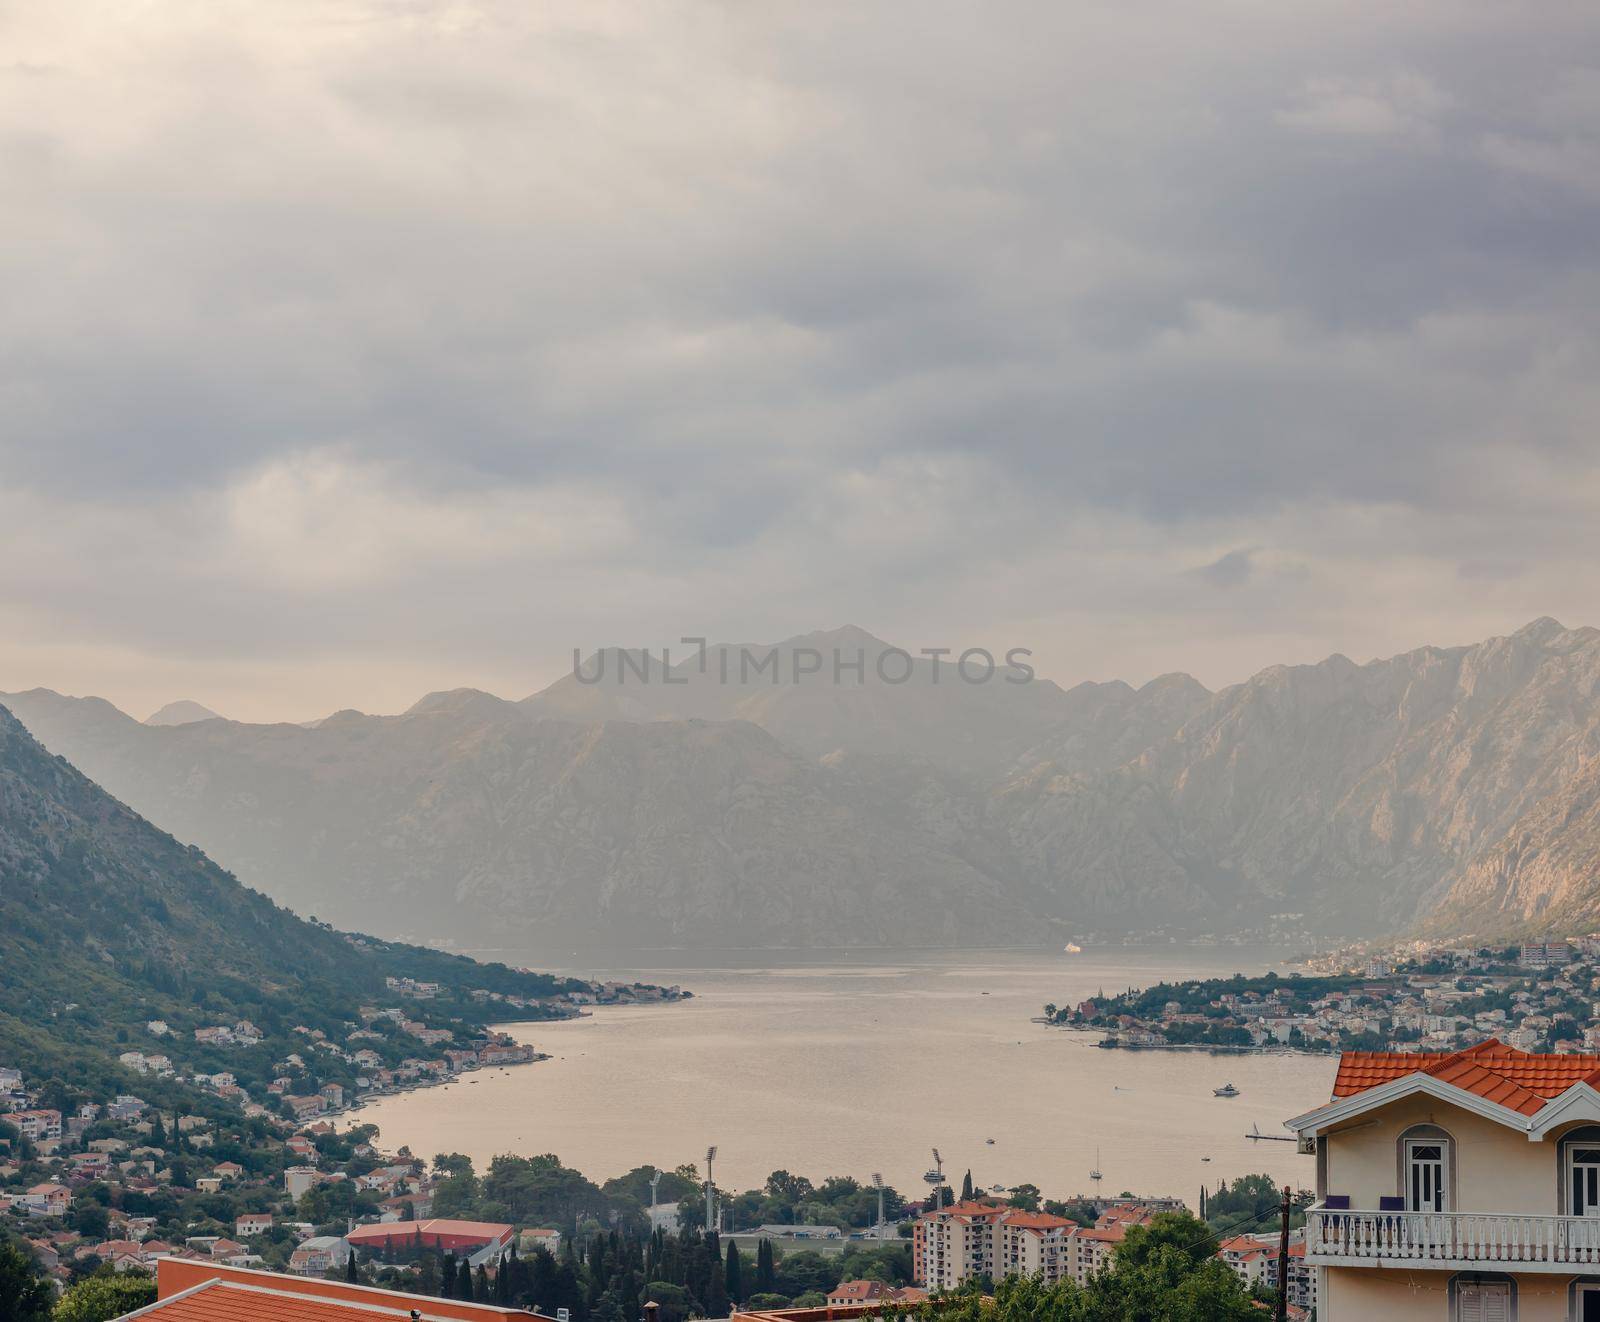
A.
x: 351, y: 349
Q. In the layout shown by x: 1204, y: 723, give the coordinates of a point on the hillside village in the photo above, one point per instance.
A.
x: 243, y: 1175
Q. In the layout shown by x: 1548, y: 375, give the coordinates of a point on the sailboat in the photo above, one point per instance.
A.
x: 1095, y: 1173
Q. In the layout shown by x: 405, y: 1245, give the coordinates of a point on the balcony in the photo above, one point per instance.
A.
x: 1451, y: 1241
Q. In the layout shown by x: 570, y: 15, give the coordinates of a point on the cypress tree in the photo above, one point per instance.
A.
x: 766, y: 1270
x: 966, y: 1188
x: 463, y: 1279
x: 732, y: 1274
x: 350, y: 1272
x: 502, y: 1282
x: 447, y: 1277
x: 480, y: 1285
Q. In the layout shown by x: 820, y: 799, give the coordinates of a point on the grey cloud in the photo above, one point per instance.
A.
x: 839, y: 308
x: 1230, y: 570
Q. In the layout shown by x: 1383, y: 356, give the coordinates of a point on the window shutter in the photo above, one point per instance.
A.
x: 1484, y: 1303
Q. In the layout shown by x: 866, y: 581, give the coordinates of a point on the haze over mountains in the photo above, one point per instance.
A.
x: 1452, y: 787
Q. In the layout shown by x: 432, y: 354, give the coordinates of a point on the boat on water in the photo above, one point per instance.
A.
x: 1072, y: 948
x: 1095, y: 1174
x: 1227, y: 1090
x: 989, y: 1141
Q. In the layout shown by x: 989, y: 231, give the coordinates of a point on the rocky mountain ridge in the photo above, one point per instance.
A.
x: 1447, y: 787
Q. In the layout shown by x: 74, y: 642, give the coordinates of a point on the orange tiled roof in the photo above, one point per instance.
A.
x: 228, y: 1301
x: 851, y: 1291
x: 971, y: 1208
x: 1517, y: 1080
x: 211, y: 1292
x: 380, y: 1231
x: 1037, y: 1221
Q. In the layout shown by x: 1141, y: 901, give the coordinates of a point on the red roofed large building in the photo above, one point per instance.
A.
x: 1462, y: 1187
x: 470, y: 1237
x: 205, y: 1292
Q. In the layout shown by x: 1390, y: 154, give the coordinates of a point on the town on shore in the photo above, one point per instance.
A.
x: 1539, y: 996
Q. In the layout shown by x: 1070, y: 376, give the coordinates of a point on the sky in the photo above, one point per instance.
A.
x: 353, y: 349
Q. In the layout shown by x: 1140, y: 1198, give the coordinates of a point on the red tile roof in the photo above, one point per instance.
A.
x: 209, y: 1292
x: 381, y: 1232
x: 972, y: 1209
x: 1037, y: 1221
x: 1516, y: 1080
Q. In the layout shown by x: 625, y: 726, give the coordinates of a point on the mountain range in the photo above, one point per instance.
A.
x: 697, y: 803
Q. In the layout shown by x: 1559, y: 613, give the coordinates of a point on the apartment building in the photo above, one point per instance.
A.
x: 982, y: 1238
x: 1461, y: 1187
x: 1090, y: 1247
x: 955, y: 1244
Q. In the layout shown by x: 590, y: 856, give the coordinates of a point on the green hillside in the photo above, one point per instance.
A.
x: 107, y: 922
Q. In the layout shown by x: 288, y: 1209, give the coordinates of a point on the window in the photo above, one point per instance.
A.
x: 1426, y: 1167
x: 1489, y: 1302
x: 1583, y: 1179
x: 1483, y: 1297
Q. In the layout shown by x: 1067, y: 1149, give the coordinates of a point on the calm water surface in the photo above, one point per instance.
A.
x: 851, y: 1062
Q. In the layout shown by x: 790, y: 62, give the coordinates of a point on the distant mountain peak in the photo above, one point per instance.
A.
x: 182, y: 712
x: 1541, y: 630
x: 456, y: 700
x: 845, y: 636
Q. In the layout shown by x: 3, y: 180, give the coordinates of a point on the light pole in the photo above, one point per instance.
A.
x: 711, y: 1192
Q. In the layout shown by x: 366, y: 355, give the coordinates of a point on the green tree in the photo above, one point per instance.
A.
x: 966, y: 1187
x: 673, y: 1299
x: 734, y: 1273
x: 459, y: 1192
x: 1181, y: 1231
x: 766, y: 1272
x: 1025, y: 1196
x: 105, y: 1295
x: 24, y: 1292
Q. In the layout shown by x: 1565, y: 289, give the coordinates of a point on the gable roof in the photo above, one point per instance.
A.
x: 1517, y: 1080
x: 1515, y: 1088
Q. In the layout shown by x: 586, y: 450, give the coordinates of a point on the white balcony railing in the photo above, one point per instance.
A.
x: 1452, y: 1238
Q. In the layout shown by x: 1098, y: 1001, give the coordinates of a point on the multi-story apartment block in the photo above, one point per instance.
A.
x: 1462, y: 1187
x: 955, y: 1244
x: 1033, y: 1244
x: 979, y: 1238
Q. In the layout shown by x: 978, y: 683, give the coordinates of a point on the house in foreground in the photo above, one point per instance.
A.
x: 1462, y: 1187
x: 190, y: 1291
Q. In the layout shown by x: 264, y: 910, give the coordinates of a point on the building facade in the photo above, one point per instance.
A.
x: 1462, y: 1187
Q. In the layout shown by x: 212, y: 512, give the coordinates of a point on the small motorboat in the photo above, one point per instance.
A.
x: 989, y: 1141
x: 1227, y: 1090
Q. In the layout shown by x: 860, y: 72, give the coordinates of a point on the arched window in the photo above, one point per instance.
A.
x: 1579, y: 1152
x: 1427, y: 1158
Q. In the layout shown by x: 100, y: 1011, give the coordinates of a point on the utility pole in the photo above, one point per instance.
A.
x: 1281, y: 1312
